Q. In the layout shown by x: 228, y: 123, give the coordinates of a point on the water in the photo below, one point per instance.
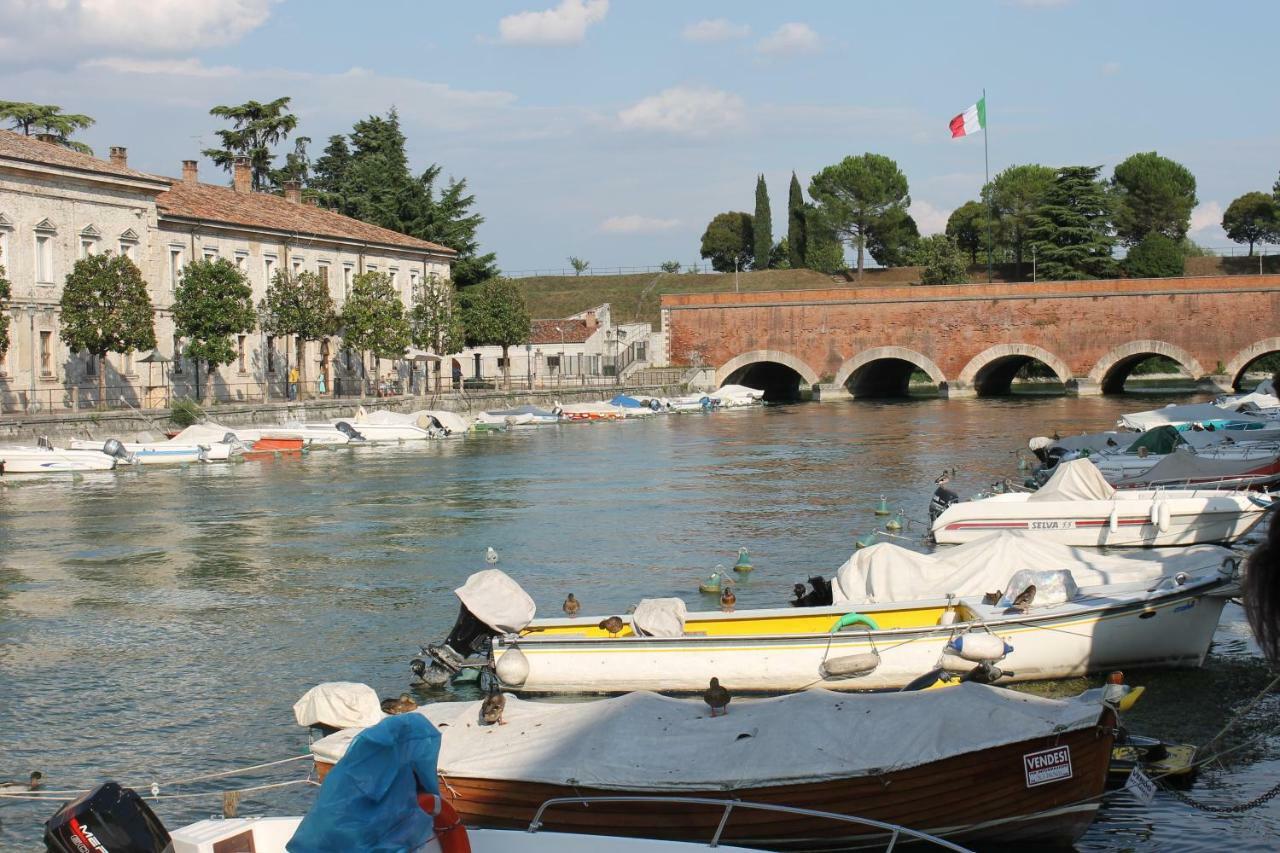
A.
x: 156, y: 624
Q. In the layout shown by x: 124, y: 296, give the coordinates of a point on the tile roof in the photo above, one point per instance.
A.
x: 20, y: 147
x: 576, y: 331
x: 212, y: 203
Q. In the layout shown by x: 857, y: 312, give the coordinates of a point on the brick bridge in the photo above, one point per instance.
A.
x: 971, y: 339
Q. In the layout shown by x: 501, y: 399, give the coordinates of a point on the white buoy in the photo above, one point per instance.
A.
x: 512, y: 668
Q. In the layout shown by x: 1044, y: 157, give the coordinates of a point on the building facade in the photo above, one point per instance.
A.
x: 58, y: 205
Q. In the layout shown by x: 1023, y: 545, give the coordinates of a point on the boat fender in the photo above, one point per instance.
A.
x: 849, y: 666
x: 979, y: 647
x: 954, y: 663
x: 448, y: 827
x: 1113, y: 520
x: 854, y: 619
x: 1164, y: 517
x: 512, y: 668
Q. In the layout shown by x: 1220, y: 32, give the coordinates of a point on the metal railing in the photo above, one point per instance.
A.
x: 701, y: 267
x: 894, y: 831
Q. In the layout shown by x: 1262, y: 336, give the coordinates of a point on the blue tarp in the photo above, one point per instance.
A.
x: 627, y: 402
x: 369, y: 800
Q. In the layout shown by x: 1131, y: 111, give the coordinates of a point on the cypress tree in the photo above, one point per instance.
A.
x: 797, y: 239
x: 763, y: 225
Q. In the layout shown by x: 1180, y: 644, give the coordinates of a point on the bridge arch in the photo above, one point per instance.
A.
x: 991, y: 371
x: 885, y: 371
x: 1114, y: 368
x: 779, y: 374
x: 1237, y: 365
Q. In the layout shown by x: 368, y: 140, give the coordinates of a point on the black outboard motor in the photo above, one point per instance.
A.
x: 469, y: 636
x: 349, y: 431
x: 108, y: 819
x: 942, y: 498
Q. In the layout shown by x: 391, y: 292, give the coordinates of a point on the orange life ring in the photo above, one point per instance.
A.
x: 450, y: 832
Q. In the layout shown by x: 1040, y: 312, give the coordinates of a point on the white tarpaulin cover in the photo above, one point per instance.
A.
x: 736, y: 391
x: 659, y: 617
x: 1262, y: 401
x: 646, y: 742
x: 451, y: 421
x: 1194, y: 413
x: 888, y: 572
x: 497, y: 601
x: 341, y: 704
x: 1076, y: 480
x: 204, y: 434
x: 383, y: 416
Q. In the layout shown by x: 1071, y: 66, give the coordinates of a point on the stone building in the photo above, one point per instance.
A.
x: 57, y: 205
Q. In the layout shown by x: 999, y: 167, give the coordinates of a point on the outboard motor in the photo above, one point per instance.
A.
x: 469, y: 636
x: 108, y: 818
x: 113, y: 447
x: 349, y: 431
x: 942, y: 498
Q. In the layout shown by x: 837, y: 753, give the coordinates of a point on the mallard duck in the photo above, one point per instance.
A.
x: 492, y: 707
x: 1022, y: 603
x: 727, y: 599
x: 572, y: 606
x: 717, y: 698
x: 23, y: 787
x: 613, y: 625
x: 993, y: 598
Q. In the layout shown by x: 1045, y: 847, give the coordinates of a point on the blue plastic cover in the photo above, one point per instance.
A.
x: 369, y: 800
x: 626, y: 402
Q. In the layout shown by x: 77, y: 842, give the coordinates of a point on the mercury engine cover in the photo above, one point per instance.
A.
x: 942, y: 498
x: 349, y: 431
x: 108, y: 819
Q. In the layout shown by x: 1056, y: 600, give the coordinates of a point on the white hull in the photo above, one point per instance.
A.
x: 317, y: 435
x: 378, y: 433
x: 1086, y: 635
x: 39, y: 460
x: 155, y: 453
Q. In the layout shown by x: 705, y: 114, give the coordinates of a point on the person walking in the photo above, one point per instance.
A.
x: 293, y: 382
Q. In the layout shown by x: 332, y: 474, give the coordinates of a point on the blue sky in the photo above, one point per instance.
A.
x: 614, y: 129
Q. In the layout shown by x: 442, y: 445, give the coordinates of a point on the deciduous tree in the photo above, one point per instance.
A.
x: 47, y: 118
x: 435, y: 321
x: 797, y: 245
x: 1156, y: 256
x: 1153, y: 195
x: 255, y: 128
x: 494, y: 314
x: 967, y: 225
x: 579, y: 265
x: 762, y: 227
x: 213, y: 301
x: 5, y: 292
x: 1071, y: 229
x: 299, y: 308
x: 1252, y: 219
x: 729, y: 241
x: 1014, y: 196
x: 373, y: 319
x: 942, y: 260
x: 105, y: 308
x: 857, y: 193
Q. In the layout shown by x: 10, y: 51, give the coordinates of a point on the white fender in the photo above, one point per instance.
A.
x: 1164, y: 516
x: 1113, y: 520
x: 980, y: 647
x: 512, y: 668
x: 849, y: 666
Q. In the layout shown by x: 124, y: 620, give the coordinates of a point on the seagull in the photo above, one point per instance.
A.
x: 492, y: 707
x: 572, y: 606
x: 490, y: 556
x: 23, y: 787
x: 717, y: 698
x: 613, y: 625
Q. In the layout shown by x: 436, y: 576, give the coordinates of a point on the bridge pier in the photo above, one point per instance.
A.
x: 956, y: 391
x: 1083, y: 387
x: 1215, y: 383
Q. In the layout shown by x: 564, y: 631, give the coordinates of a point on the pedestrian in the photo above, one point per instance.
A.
x: 320, y: 386
x: 457, y: 376
x: 293, y: 382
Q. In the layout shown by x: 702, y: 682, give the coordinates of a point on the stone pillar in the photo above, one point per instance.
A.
x: 1083, y: 387
x: 829, y: 392
x: 1215, y: 383
x: 955, y: 391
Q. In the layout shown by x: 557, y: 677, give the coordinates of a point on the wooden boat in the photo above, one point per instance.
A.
x: 974, y: 764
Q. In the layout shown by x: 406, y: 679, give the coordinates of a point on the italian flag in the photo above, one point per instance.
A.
x: 970, y: 121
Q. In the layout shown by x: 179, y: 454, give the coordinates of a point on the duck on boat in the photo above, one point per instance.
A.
x: 1077, y: 506
x: 895, y: 614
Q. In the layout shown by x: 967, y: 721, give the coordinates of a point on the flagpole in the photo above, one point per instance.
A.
x: 986, y: 168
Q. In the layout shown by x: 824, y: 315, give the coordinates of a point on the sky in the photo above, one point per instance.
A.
x: 613, y: 130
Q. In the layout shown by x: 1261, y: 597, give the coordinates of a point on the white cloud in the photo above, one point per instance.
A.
x: 167, y: 67
x: 68, y: 29
x: 563, y: 25
x: 1110, y: 68
x: 1206, y: 216
x: 929, y: 219
x: 790, y: 40
x: 716, y: 29
x: 686, y: 110
x: 635, y: 224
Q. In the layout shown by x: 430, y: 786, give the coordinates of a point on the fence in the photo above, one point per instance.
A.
x: 700, y: 267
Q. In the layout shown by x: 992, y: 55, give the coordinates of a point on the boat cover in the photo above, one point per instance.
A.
x: 369, y: 801
x: 1262, y: 401
x: 659, y: 617
x: 1075, y: 480
x: 1193, y: 413
x: 886, y: 572
x: 340, y: 704
x: 737, y: 391
x: 204, y: 434
x: 497, y: 601
x: 625, y: 402
x: 1193, y: 468
x: 451, y: 421
x: 646, y: 742
x: 1159, y: 440
x: 522, y: 410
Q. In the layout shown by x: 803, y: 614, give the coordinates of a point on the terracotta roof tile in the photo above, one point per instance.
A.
x: 576, y: 331
x: 32, y: 150
x: 212, y: 203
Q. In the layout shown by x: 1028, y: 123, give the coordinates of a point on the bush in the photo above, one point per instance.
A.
x: 1156, y: 256
x: 185, y: 412
x: 942, y: 260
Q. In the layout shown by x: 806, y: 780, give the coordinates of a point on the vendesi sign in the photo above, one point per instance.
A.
x: 1140, y: 786
x: 1047, y: 765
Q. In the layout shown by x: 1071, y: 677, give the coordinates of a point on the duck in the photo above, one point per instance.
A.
x: 492, y: 707
x: 490, y: 556
x: 572, y: 606
x: 717, y: 698
x: 23, y: 787
x: 798, y: 590
x: 403, y: 705
x: 613, y: 625
x: 993, y: 598
x: 727, y: 599
x: 1022, y: 603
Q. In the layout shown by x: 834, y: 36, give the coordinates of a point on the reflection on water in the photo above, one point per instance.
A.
x: 159, y: 623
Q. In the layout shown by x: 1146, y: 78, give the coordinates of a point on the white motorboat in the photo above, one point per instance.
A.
x: 46, y: 459
x: 383, y: 426
x: 1202, y: 415
x: 894, y: 615
x: 318, y: 435
x: 169, y: 452
x: 1077, y: 506
x: 691, y: 403
x: 590, y: 412
x: 736, y: 396
x: 518, y: 416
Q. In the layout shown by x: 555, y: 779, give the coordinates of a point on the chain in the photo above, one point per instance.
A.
x: 1267, y: 797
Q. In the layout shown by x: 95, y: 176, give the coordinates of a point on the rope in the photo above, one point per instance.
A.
x: 47, y: 796
x: 234, y: 772
x: 44, y: 793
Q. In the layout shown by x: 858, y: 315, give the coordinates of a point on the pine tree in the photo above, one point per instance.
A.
x: 1071, y: 231
x: 797, y: 243
x: 763, y: 226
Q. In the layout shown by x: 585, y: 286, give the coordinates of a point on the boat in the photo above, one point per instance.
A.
x: 973, y: 764
x: 383, y: 426
x: 518, y: 416
x: 1185, y: 417
x: 590, y: 412
x: 1077, y: 506
x: 169, y: 452
x: 318, y: 435
x: 894, y: 615
x: 633, y: 408
x: 247, y: 439
x: 736, y: 396
x: 47, y: 459
x: 691, y: 403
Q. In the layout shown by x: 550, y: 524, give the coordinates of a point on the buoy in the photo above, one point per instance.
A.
x: 882, y: 508
x: 894, y: 524
x: 744, y: 561
x: 712, y: 583
x: 512, y: 668
x: 979, y: 647
x: 849, y: 666
x: 865, y: 541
